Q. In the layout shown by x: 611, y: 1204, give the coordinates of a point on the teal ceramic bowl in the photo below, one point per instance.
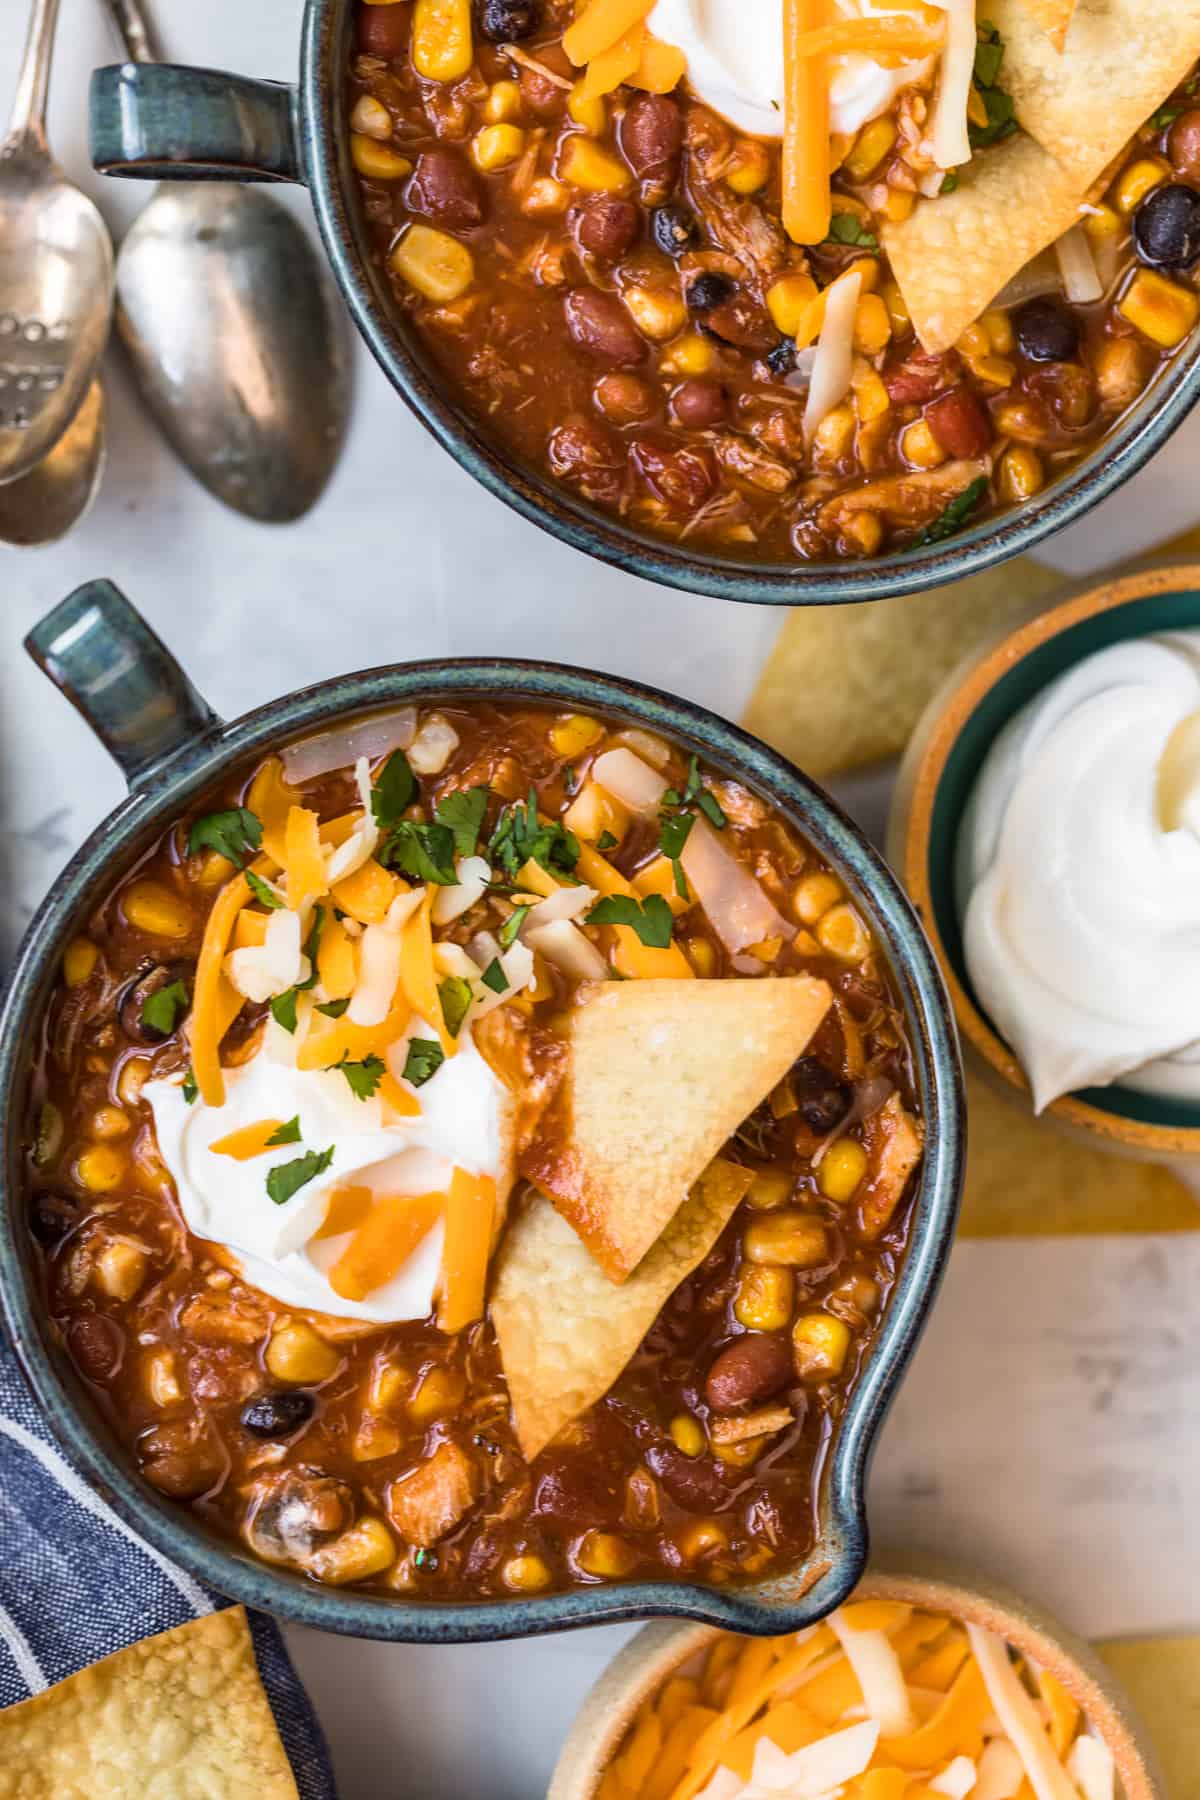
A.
x: 163, y: 123
x: 937, y: 776
x: 173, y: 748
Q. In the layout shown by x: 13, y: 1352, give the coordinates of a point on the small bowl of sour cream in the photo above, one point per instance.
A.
x: 1047, y: 827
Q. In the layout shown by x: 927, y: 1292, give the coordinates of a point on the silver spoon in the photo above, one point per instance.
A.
x: 236, y: 338
x: 41, y: 507
x: 56, y: 273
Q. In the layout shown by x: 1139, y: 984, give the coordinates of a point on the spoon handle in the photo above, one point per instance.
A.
x: 29, y: 106
x: 137, y: 33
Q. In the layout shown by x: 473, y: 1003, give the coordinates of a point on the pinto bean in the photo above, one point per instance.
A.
x: 1183, y: 144
x: 651, y: 137
x: 697, y: 405
x: 544, y: 98
x: 599, y: 324
x: 606, y: 227
x: 960, y: 423
x: 443, y: 188
x: 625, y: 399
x: 747, y: 1371
x: 384, y: 30
x: 581, y: 453
x: 683, y: 479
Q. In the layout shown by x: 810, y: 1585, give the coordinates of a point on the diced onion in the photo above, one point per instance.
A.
x: 830, y: 381
x: 1017, y: 1714
x: 261, y: 971
x: 1041, y: 276
x: 433, y: 745
x: 563, y: 944
x: 734, y: 903
x: 378, y: 976
x: 957, y: 1779
x: 880, y: 1677
x: 948, y: 137
x: 450, y: 903
x: 1091, y: 1767
x: 1000, y: 1772
x: 1081, y: 280
x: 339, y: 748
x: 567, y: 903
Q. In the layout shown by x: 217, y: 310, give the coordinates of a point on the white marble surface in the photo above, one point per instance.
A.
x: 1050, y: 1430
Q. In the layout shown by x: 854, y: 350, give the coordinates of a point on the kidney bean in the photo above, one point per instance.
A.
x: 605, y: 227
x: 625, y: 399
x: 682, y: 478
x: 917, y: 379
x: 97, y: 1346
x: 960, y: 423
x: 384, y: 30
x: 750, y: 1369
x: 442, y: 187
x: 698, y: 404
x: 1183, y: 144
x: 543, y: 97
x: 583, y: 454
x: 651, y: 136
x: 743, y: 322
x: 599, y: 324
x: 691, y: 1482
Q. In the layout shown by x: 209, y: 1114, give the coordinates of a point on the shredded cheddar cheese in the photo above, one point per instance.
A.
x: 383, y: 1243
x: 209, y: 1020
x: 250, y: 1141
x: 304, y: 865
x: 806, y: 191
x: 600, y: 26
x: 470, y: 1209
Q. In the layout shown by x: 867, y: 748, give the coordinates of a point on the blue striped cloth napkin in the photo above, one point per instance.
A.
x: 76, y: 1584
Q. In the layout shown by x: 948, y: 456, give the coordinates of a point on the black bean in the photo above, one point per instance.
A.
x: 822, y: 1099
x: 51, y: 1216
x: 1166, y: 227
x: 508, y: 21
x: 709, y: 290
x: 1047, y: 331
x: 149, y: 980
x: 279, y: 1414
x: 782, y: 358
x: 674, y: 229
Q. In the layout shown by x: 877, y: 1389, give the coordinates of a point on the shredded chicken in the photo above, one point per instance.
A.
x: 427, y: 1504
x: 736, y: 224
x: 230, y: 1316
x: 913, y: 498
x: 763, y: 1423
x: 894, y: 1142
x: 750, y: 464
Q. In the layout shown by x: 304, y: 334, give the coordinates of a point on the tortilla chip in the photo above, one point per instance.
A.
x: 565, y: 1332
x: 182, y: 1714
x: 845, y: 686
x: 1054, y: 17
x: 1123, y: 58
x: 659, y: 1075
x: 954, y: 253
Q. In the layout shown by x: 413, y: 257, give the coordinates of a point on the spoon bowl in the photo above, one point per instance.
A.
x: 41, y: 507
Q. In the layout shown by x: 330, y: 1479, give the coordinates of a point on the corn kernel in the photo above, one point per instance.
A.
x: 371, y: 118
x: 919, y: 447
x: 748, y: 167
x: 100, y: 1168
x: 865, y: 267
x: 899, y: 205
x: 544, y: 196
x: 1020, y: 474
x: 791, y: 1237
x: 872, y: 327
x: 575, y: 734
x: 585, y: 165
x: 79, y: 959
x: 1160, y: 309
x: 214, y: 869
x: 974, y: 342
x: 588, y: 111
x: 366, y: 1549
x: 441, y: 39
x: 503, y: 103
x: 656, y: 313
x: 871, y: 399
x: 769, y: 1189
x: 1016, y: 420
x: 1102, y: 224
x: 687, y: 1434
x: 1122, y: 368
x: 162, y: 1381
x: 1134, y: 183
x: 133, y: 1077
x: 702, y: 956
x: 604, y: 1554
x: 120, y: 1268
x: 765, y: 1296
x: 436, y: 265
x: 864, y: 530
x: 296, y: 1353
x: 898, y: 312
x: 154, y: 909
x: 996, y: 371
x: 388, y: 1385
x: 841, y: 1170
x: 842, y: 933
x: 378, y: 162
x: 815, y: 895
x: 108, y: 1122
x: 496, y: 146
x: 526, y: 1574
x: 834, y: 435
x: 440, y: 1393
x: 870, y: 147
x: 788, y: 300
x: 821, y: 1344
x: 703, y: 1538
x: 999, y: 328
x: 375, y: 1439
x: 740, y: 1455
x: 689, y: 355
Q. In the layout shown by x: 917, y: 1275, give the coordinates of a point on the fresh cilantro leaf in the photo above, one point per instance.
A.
x: 333, y: 1009
x: 949, y: 182
x: 394, y: 791
x: 696, y: 794
x: 1002, y: 119
x: 494, y: 977
x: 606, y: 841
x: 287, y: 1134
x: 161, y: 1010
x: 455, y: 996
x: 312, y: 944
x: 235, y: 835
x: 364, y: 1077
x: 462, y: 814
x: 263, y: 892
x: 512, y: 925
x: 288, y: 1178
x: 570, y: 776
x: 955, y: 516
x: 848, y: 228
x: 520, y: 837
x: 673, y: 832
x: 426, y: 852
x: 425, y: 1057
x: 651, y: 919
x: 989, y: 54
x: 1166, y: 115
x: 283, y: 1008
x: 191, y: 1087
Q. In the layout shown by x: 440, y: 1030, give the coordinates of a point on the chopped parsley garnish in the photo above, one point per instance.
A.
x: 425, y: 1057
x: 848, y: 228
x: 512, y: 925
x: 462, y: 815
x: 234, y: 835
x: 394, y: 791
x: 1166, y: 115
x: 989, y: 54
x: 677, y: 815
x: 283, y: 1006
x: 426, y: 852
x: 650, y: 918
x: 288, y: 1178
x: 673, y: 832
x: 286, y: 1134
x: 494, y: 977
x: 333, y: 1009
x: 162, y: 1010
x: 955, y: 516
x: 695, y: 794
x: 606, y: 841
x: 521, y: 837
x: 364, y: 1077
x: 191, y: 1087
x: 1001, y: 116
x: 455, y: 996
x: 949, y: 182
x: 263, y: 892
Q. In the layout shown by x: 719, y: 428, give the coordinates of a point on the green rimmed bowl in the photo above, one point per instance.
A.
x: 173, y: 748
x: 937, y: 775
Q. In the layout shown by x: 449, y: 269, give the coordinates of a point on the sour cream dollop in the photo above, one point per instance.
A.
x: 461, y: 1124
x: 734, y: 51
x: 1079, y: 875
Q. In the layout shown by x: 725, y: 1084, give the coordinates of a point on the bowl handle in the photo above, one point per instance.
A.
x: 162, y: 122
x: 114, y: 670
